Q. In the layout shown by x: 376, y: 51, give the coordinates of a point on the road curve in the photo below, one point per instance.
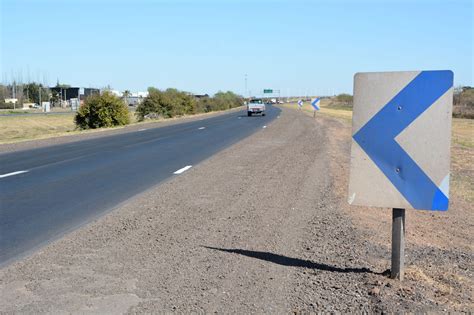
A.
x: 47, y: 192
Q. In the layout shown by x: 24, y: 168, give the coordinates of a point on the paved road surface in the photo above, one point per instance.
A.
x: 68, y: 185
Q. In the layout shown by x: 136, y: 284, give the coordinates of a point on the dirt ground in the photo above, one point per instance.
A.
x: 261, y: 227
x: 439, y: 250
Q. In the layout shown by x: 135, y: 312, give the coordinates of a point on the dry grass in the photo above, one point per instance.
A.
x: 33, y: 111
x: 31, y: 127
x: 340, y: 113
x: 462, y: 158
x: 463, y: 132
x: 19, y: 128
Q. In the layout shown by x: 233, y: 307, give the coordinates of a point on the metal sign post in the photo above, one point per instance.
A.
x: 398, y: 244
x: 315, y: 104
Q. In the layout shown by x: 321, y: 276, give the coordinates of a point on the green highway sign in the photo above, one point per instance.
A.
x: 267, y: 91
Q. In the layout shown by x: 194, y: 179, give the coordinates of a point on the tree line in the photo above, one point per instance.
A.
x: 25, y: 93
x: 172, y: 102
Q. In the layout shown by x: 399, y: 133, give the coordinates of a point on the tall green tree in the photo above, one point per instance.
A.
x: 32, y: 90
x: 126, y: 94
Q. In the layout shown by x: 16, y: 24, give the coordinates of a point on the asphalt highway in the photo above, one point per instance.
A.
x: 50, y: 191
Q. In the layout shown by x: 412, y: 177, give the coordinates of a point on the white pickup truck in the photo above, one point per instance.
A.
x: 256, y: 106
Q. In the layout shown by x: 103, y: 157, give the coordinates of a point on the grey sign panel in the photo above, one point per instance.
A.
x: 401, y: 135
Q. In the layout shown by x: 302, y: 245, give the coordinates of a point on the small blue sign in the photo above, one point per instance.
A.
x: 315, y: 103
x: 300, y: 103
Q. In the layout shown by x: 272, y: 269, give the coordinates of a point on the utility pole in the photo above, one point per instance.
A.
x: 14, y: 94
x: 246, y: 95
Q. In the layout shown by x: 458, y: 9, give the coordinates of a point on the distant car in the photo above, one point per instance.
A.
x: 36, y: 106
x: 256, y: 106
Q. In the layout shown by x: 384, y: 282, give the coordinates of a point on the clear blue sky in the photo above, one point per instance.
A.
x: 310, y: 47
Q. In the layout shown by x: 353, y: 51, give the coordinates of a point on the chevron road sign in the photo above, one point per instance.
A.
x: 401, y: 134
x: 300, y: 104
x: 315, y: 103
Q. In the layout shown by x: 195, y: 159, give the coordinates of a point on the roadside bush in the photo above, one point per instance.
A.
x: 220, y: 101
x: 4, y: 105
x: 227, y: 100
x: 464, y: 103
x: 342, y: 101
x: 172, y: 103
x: 167, y: 104
x: 151, y: 105
x: 106, y: 110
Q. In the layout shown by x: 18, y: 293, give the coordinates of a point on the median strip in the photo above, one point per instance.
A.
x: 182, y: 170
x: 12, y: 174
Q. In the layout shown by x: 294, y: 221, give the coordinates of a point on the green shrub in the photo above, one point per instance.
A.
x: 341, y: 101
x: 150, y: 105
x: 169, y: 103
x: 220, y: 101
x: 106, y: 110
x: 4, y: 105
x: 344, y: 99
x: 172, y: 102
x: 463, y: 102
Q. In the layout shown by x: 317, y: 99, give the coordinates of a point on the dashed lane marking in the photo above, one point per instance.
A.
x: 12, y: 174
x: 182, y: 170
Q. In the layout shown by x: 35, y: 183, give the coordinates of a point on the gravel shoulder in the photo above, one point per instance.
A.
x: 262, y: 226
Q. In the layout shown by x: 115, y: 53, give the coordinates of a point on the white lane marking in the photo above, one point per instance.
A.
x: 182, y: 170
x: 264, y: 127
x: 12, y: 174
x: 141, y: 129
x: 201, y: 128
x: 240, y: 117
x: 278, y: 116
